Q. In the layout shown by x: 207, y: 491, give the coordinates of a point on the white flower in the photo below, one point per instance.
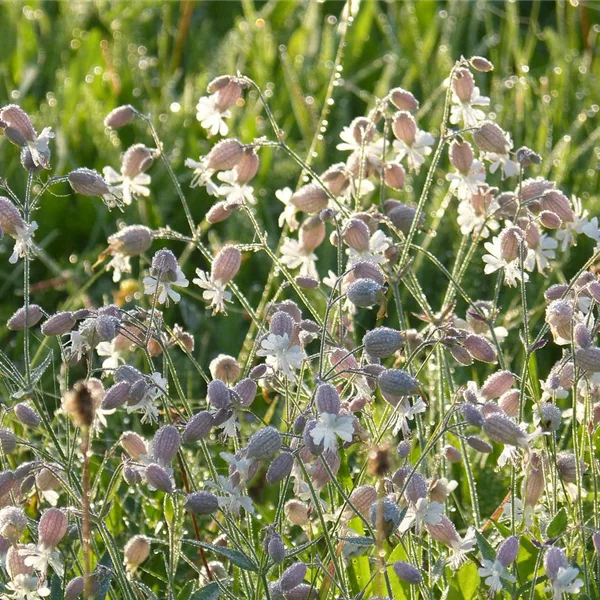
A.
x: 565, y: 582
x: 503, y: 161
x: 464, y: 185
x: 27, y: 587
x: 210, y: 117
x: 466, y: 111
x: 416, y: 152
x: 38, y: 147
x: 422, y: 512
x: 378, y: 244
x: 230, y: 427
x: 233, y: 191
x: 329, y: 427
x: 241, y: 465
x: 23, y: 242
x: 40, y: 557
x: 294, y: 255
x: 460, y: 547
x: 580, y: 224
x: 79, y: 345
x: 233, y: 499
x: 156, y: 388
x: 494, y: 573
x: 128, y: 187
x: 120, y: 264
x: 288, y: 214
x: 471, y: 220
x: 405, y: 413
x: 279, y: 355
x: 372, y: 150
x: 542, y: 254
x: 494, y: 261
x: 202, y: 176
x: 114, y: 356
x: 163, y: 288
x: 215, y: 291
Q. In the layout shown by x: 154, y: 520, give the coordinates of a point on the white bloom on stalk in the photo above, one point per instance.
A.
x: 233, y: 191
x: 494, y: 573
x: 565, y: 582
x: 214, y: 291
x: 494, y: 262
x: 27, y: 587
x: 79, y: 345
x: 294, y: 255
x: 164, y: 288
x: 128, y: 187
x: 241, y: 465
x: 423, y: 511
x: 464, y: 185
x: 288, y: 215
x: 202, y: 176
x: 460, y: 548
x: 542, y: 254
x: 466, y: 110
x: 405, y: 412
x: 41, y: 557
x: 146, y: 406
x: 233, y: 499
x: 211, y: 117
x: 569, y: 230
x: 279, y: 355
x: 329, y: 427
x: 114, y: 357
x: 23, y: 242
x: 470, y: 220
x: 375, y: 253
x: 416, y: 151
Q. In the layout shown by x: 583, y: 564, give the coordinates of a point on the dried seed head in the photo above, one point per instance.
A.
x: 79, y: 402
x: 310, y: 198
x: 588, y: 359
x: 480, y: 348
x: 407, y: 573
x: 327, y: 399
x: 404, y: 127
x: 554, y: 560
x: 397, y: 383
x: 134, y: 445
x: 201, y: 503
x: 10, y: 217
x: 226, y: 264
x: 298, y: 513
x: 509, y: 402
x: 88, y: 182
x: 385, y: 516
x: 478, y: 444
x: 198, y: 427
x: 17, y: 321
x: 27, y: 415
x: 508, y: 551
x: 364, y: 293
x: 264, y: 443
x: 382, y: 342
x: 481, y: 64
x: 12, y: 523
x: 225, y: 367
x: 500, y: 429
x: 452, y: 454
x: 120, y: 116
x: 403, y: 100
x: 165, y: 444
x: 52, y: 527
x: 497, y: 384
x: 293, y: 576
x: 136, y: 551
x: 280, y: 468
x: 490, y: 137
x: 158, y: 478
x: 463, y: 84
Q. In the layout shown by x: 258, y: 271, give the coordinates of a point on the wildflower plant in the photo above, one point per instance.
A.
x: 346, y: 452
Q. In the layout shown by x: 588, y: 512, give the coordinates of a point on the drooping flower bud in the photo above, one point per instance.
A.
x: 17, y: 321
x: 201, y: 503
x: 52, y: 527
x: 120, y: 116
x: 264, y: 443
x: 382, y: 342
x: 136, y: 551
x: 407, y: 572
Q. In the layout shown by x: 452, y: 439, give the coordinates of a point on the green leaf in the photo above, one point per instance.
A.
x: 208, y: 592
x: 359, y: 540
x: 56, y: 588
x: 558, y: 525
x: 484, y: 546
x: 236, y: 557
x: 464, y: 584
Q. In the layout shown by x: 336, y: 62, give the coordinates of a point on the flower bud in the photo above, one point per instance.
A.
x: 509, y: 402
x: 481, y: 64
x: 281, y: 324
x: 327, y: 399
x: 394, y: 176
x: 461, y: 156
x: 385, y: 516
x: 311, y: 198
x: 362, y: 498
x: 133, y: 444
x: 566, y: 464
x: 12, y: 523
x: 554, y: 560
x: 52, y: 527
x: 533, y: 485
x: 452, y: 454
x: 489, y: 137
x: 363, y: 269
x: 403, y: 100
x: 404, y: 127
x: 293, y: 576
x: 218, y: 394
x: 258, y: 372
x: 510, y: 240
x: 244, y: 392
x: 307, y: 283
x: 364, y: 293
x: 463, y: 84
x: 480, y: 348
x: 88, y: 182
x: 17, y: 321
x: 382, y: 342
x: 478, y: 444
x: 136, y: 551
x: 136, y: 160
x: 276, y: 549
x: 120, y: 116
x: 201, y: 503
x: 508, y: 551
x: 497, y: 384
x: 280, y: 468
x: 264, y: 443
x: 556, y: 202
x: 583, y: 337
x: 11, y: 220
x: 588, y: 359
x: 356, y: 235
x: 221, y: 211
x: 407, y: 573
x: 158, y: 478
x: 59, y: 323
x: 131, y: 241
x: 502, y: 430
x: 198, y: 427
x: 311, y: 234
x: 165, y: 444
x: 402, y: 217
x: 397, y: 383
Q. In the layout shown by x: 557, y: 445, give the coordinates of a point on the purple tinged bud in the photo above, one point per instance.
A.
x: 311, y: 446
x: 120, y: 116
x: 158, y: 478
x: 596, y: 541
x: 58, y: 324
x: 327, y: 399
x: 133, y: 444
x: 364, y: 293
x: 472, y: 414
x: 116, y: 395
x: 8, y: 441
x: 52, y: 527
x: 554, y: 560
x: 407, y: 573
x: 198, y: 427
x: 508, y: 551
x: 382, y: 342
x: 201, y: 503
x: 218, y: 394
x: 403, y: 449
x: 136, y: 551
x: 258, y: 372
x: 293, y: 576
x: 27, y: 415
x: 478, y: 444
x: 17, y: 321
x: 264, y: 443
x: 385, y: 516
x: 165, y: 444
x: 280, y: 468
x: 276, y: 549
x: 416, y: 488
